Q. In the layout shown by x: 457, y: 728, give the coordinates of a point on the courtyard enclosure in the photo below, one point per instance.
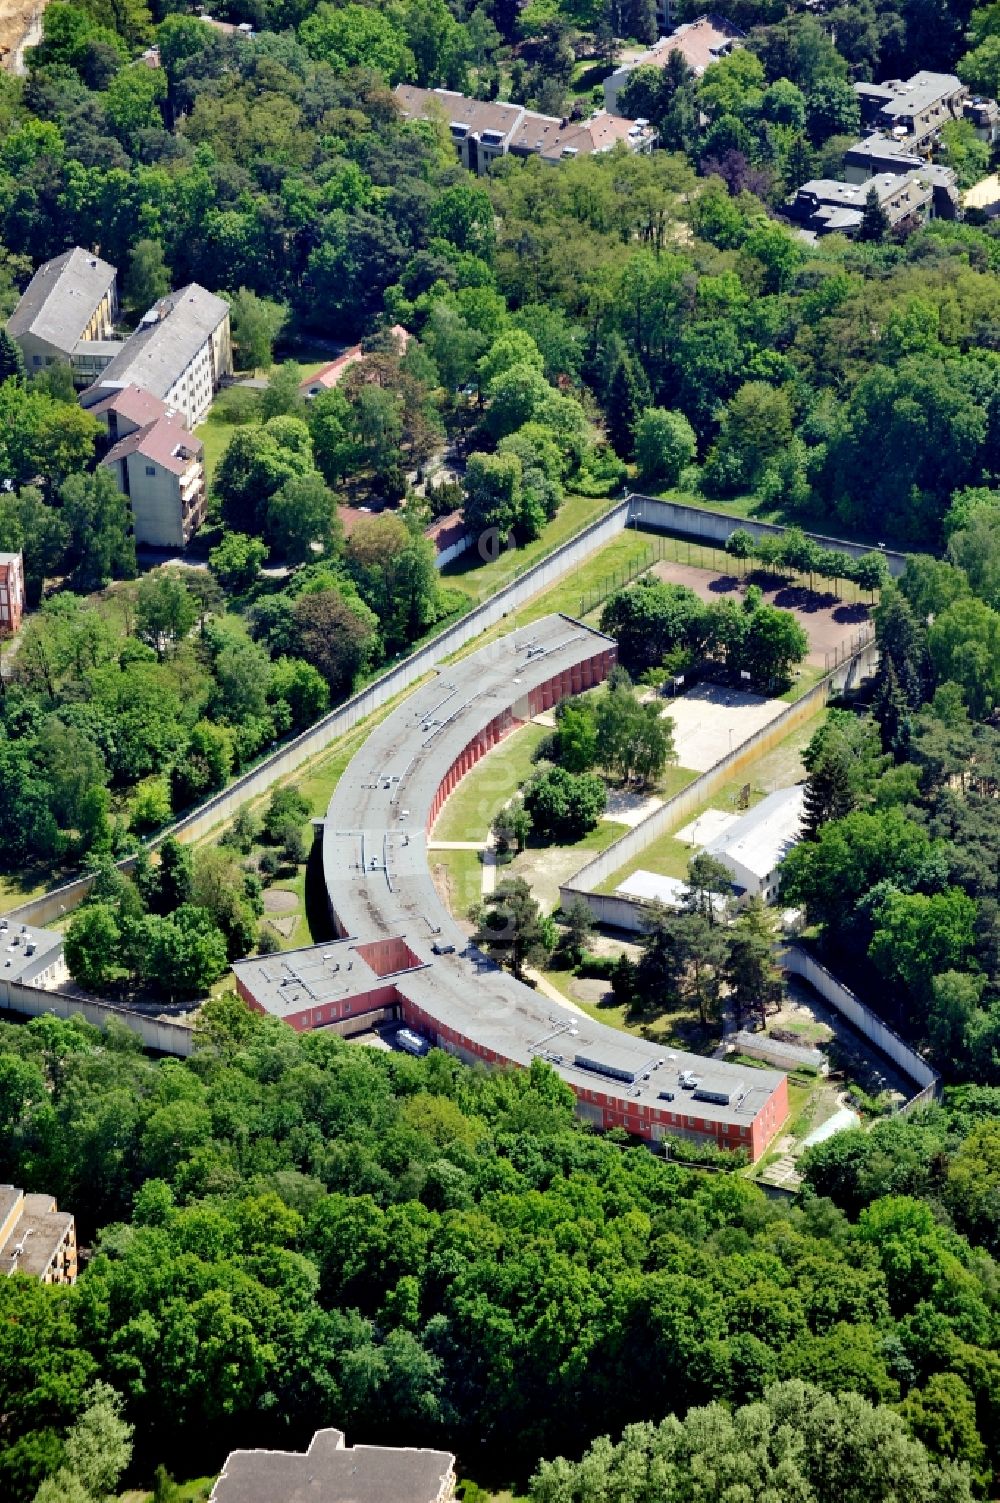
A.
x: 401, y: 946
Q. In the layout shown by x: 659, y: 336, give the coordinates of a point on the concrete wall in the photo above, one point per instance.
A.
x: 33, y: 1001
x: 674, y: 516
x: 840, y: 997
x: 157, y: 510
x: 448, y: 555
x: 715, y: 526
x: 684, y: 804
x: 283, y: 762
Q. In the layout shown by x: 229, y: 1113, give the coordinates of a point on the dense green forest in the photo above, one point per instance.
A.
x: 290, y: 1232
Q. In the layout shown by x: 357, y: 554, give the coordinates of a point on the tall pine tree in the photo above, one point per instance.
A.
x: 11, y: 359
x: 891, y: 711
x: 628, y: 398
x: 903, y: 643
x: 830, y: 789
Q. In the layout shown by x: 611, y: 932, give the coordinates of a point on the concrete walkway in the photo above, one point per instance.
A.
x: 489, y: 866
x: 543, y: 985
x: 456, y: 845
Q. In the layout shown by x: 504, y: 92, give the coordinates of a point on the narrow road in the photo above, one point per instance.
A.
x: 31, y: 38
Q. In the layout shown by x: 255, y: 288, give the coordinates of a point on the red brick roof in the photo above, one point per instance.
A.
x: 165, y: 442
x: 328, y: 376
x: 446, y: 530
x: 131, y: 402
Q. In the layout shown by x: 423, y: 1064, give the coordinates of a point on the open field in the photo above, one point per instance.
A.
x: 546, y: 867
x: 711, y: 719
x: 679, y: 1030
x: 458, y: 877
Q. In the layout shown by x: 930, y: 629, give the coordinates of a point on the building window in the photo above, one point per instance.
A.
x: 151, y: 469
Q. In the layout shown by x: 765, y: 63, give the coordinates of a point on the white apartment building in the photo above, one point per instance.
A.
x: 180, y: 352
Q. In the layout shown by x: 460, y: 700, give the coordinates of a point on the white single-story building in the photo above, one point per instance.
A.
x: 754, y: 847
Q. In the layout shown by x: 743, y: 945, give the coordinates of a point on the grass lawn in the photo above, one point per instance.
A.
x: 672, y: 780
x: 195, y: 1491
x: 680, y: 1030
x: 480, y: 580
x: 215, y: 432
x: 462, y: 872
x: 808, y: 675
x: 483, y: 792
x: 17, y: 887
x: 583, y: 592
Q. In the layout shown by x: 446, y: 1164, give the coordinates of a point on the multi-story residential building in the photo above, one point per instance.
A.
x: 331, y: 1472
x: 180, y: 353
x: 11, y: 592
x: 913, y: 109
x: 698, y: 42
x: 881, y: 156
x: 70, y: 301
x: 485, y: 130
x: 825, y: 206
x: 36, y: 1238
x: 984, y: 117
x: 158, y: 464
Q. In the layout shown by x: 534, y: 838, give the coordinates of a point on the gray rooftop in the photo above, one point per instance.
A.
x: 34, y: 1236
x: 329, y: 1472
x: 762, y: 837
x: 166, y: 341
x: 903, y: 98
x: 61, y: 298
x: 920, y: 92
x: 879, y: 148
x: 379, y: 885
x: 25, y: 951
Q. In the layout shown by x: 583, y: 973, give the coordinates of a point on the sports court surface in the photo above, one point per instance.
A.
x: 710, y: 720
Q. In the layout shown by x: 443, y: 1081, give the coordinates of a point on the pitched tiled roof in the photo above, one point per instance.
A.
x: 166, y: 341
x: 140, y: 407
x: 165, y: 442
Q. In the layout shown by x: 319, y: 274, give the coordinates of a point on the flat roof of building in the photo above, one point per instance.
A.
x: 26, y: 951
x: 379, y: 884
x: 35, y: 1235
x: 877, y: 147
x: 290, y: 981
x: 61, y: 298
x: 904, y: 98
x: 330, y: 1472
x: 762, y: 837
